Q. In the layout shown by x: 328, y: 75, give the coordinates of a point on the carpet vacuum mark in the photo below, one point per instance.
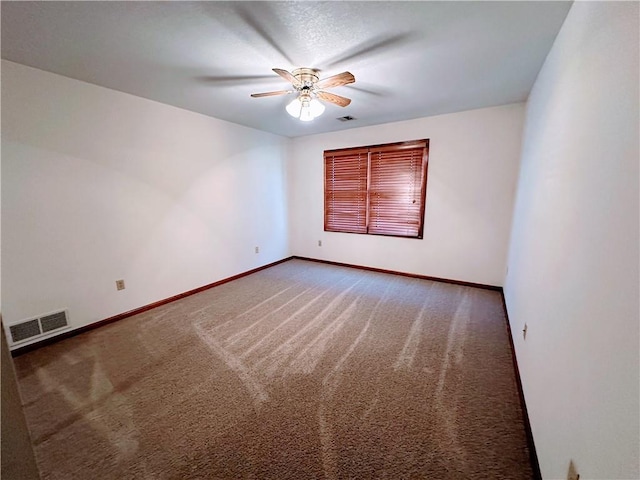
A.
x: 299, y: 371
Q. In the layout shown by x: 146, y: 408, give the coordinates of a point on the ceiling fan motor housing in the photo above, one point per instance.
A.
x: 306, y: 77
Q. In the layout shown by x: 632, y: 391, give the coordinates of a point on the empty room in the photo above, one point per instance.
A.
x: 320, y: 240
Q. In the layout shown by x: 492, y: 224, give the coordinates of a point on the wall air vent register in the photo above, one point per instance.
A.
x: 39, y: 326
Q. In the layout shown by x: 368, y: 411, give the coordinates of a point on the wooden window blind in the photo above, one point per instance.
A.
x: 346, y: 190
x: 378, y: 190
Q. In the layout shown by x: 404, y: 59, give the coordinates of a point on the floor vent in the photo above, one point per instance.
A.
x: 36, y: 327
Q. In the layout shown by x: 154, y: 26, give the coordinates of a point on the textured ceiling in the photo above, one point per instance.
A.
x: 410, y: 59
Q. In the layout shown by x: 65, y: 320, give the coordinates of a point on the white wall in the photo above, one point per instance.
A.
x: 98, y: 185
x: 473, y: 167
x: 573, y: 262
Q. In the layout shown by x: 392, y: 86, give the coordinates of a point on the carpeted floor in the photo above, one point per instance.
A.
x: 300, y: 371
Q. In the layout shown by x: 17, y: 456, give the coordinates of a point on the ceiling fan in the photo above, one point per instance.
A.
x: 310, y: 88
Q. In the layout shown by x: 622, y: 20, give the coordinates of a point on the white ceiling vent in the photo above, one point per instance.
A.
x: 39, y: 326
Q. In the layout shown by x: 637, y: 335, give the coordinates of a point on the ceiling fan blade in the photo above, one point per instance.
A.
x: 271, y: 94
x: 333, y: 98
x: 286, y: 75
x: 343, y: 78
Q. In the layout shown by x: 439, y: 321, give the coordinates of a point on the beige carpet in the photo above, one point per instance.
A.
x: 300, y: 371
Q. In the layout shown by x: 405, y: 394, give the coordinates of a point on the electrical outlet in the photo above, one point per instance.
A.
x: 524, y: 331
x: 257, y: 249
x: 120, y: 284
x: 319, y: 243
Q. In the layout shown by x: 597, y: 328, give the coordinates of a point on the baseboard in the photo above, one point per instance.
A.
x: 533, y: 456
x: 77, y: 331
x: 404, y: 274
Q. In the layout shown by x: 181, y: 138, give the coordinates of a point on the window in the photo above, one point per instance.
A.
x: 379, y: 190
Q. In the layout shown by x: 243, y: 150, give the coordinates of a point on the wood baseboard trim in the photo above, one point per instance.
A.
x: 405, y: 274
x: 533, y: 456
x: 77, y: 331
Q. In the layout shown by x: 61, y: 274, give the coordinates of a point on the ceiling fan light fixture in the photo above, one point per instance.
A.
x: 295, y: 108
x: 305, y: 114
x: 305, y: 108
x: 316, y: 107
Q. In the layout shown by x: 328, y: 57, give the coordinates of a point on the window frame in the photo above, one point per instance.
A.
x: 330, y: 155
